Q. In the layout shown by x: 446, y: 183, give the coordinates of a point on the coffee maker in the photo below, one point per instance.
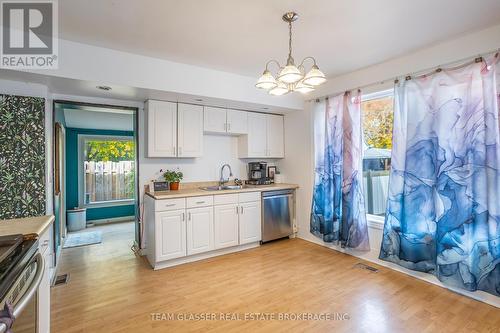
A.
x: 257, y: 173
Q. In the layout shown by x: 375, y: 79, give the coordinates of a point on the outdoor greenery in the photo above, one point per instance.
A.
x: 173, y: 176
x: 114, y: 151
x: 377, y: 122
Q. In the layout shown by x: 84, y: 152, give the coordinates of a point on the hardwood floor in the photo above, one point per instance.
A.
x: 111, y: 290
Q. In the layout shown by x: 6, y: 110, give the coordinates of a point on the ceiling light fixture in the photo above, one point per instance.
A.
x: 290, y: 77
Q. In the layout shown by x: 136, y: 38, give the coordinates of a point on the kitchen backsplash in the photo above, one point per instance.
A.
x: 22, y: 156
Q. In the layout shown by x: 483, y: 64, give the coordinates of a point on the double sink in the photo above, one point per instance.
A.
x: 223, y: 187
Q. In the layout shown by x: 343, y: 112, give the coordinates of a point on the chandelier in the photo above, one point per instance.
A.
x: 290, y: 77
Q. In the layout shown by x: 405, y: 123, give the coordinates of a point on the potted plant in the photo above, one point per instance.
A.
x: 173, y: 178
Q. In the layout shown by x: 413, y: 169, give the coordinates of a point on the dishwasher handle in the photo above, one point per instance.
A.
x: 274, y: 194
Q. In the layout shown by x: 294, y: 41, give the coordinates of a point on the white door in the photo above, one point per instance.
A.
x: 275, y: 136
x: 161, y: 128
x: 200, y: 230
x: 214, y: 120
x: 257, y: 135
x: 250, y: 222
x: 190, y: 130
x: 170, y: 234
x: 237, y: 122
x: 226, y: 225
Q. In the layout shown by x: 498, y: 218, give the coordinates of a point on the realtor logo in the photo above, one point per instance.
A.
x: 29, y: 35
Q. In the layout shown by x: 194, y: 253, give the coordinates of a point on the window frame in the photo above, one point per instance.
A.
x: 375, y: 221
x: 82, y: 139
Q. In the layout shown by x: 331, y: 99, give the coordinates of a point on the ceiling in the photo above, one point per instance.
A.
x: 239, y: 36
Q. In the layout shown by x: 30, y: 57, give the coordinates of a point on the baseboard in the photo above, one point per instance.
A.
x: 111, y: 220
x: 373, y: 257
x: 205, y: 255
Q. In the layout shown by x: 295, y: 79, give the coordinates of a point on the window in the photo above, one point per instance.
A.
x: 378, y: 118
x: 108, y: 170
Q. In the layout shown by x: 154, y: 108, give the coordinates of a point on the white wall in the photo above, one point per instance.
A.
x: 110, y: 67
x: 299, y: 164
x: 467, y: 45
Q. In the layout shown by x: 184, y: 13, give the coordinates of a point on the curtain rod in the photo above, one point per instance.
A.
x: 426, y: 71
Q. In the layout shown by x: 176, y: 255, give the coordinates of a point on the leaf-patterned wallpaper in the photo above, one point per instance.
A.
x: 22, y: 156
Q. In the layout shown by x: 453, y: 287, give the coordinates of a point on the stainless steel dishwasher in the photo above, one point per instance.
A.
x: 277, y: 214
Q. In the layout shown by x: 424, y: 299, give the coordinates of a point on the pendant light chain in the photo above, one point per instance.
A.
x: 290, y: 41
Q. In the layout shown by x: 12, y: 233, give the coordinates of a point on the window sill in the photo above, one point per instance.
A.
x: 375, y: 221
x: 102, y: 204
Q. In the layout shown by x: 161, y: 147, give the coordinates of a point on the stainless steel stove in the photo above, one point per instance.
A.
x: 21, y: 270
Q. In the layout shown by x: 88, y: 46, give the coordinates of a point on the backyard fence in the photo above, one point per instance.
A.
x: 105, y: 181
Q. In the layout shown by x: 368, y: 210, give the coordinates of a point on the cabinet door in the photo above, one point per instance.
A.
x: 275, y: 136
x: 257, y: 135
x: 237, y: 122
x: 226, y: 225
x: 170, y: 234
x: 44, y: 297
x: 250, y: 222
x: 200, y: 230
x: 190, y: 130
x: 161, y: 128
x: 214, y: 120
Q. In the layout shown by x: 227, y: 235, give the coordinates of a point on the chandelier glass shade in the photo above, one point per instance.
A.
x: 291, y: 77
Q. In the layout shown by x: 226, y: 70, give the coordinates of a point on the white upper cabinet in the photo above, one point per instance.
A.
x: 265, y: 138
x: 162, y: 129
x: 275, y: 136
x: 214, y: 120
x: 190, y: 130
x: 237, y: 122
x: 222, y: 121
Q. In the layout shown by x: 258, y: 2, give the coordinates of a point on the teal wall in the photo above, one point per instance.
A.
x: 72, y: 176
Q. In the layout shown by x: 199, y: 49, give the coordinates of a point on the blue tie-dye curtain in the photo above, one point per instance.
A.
x: 443, y: 214
x: 338, y: 211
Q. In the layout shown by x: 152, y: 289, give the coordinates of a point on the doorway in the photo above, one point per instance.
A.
x: 96, y: 172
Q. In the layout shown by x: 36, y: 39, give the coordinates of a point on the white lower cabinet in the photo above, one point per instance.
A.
x: 226, y: 225
x: 250, y: 222
x: 200, y: 230
x: 170, y: 234
x: 187, y: 229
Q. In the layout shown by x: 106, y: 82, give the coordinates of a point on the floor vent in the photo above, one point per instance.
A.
x: 364, y: 266
x: 61, y: 279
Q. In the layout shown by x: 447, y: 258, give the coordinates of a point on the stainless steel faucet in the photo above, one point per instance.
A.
x: 222, y: 181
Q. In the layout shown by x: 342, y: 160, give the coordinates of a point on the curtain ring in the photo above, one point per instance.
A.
x: 439, y: 70
x: 408, y: 78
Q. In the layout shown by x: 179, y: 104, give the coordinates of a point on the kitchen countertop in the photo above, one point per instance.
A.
x: 29, y: 226
x: 196, y: 192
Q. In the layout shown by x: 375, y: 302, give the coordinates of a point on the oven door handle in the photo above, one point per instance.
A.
x: 19, y: 307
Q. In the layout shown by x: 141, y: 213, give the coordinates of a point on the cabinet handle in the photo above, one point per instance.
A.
x: 237, y: 210
x: 170, y: 205
x: 200, y: 202
x: 184, y: 216
x: 189, y: 216
x: 241, y: 209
